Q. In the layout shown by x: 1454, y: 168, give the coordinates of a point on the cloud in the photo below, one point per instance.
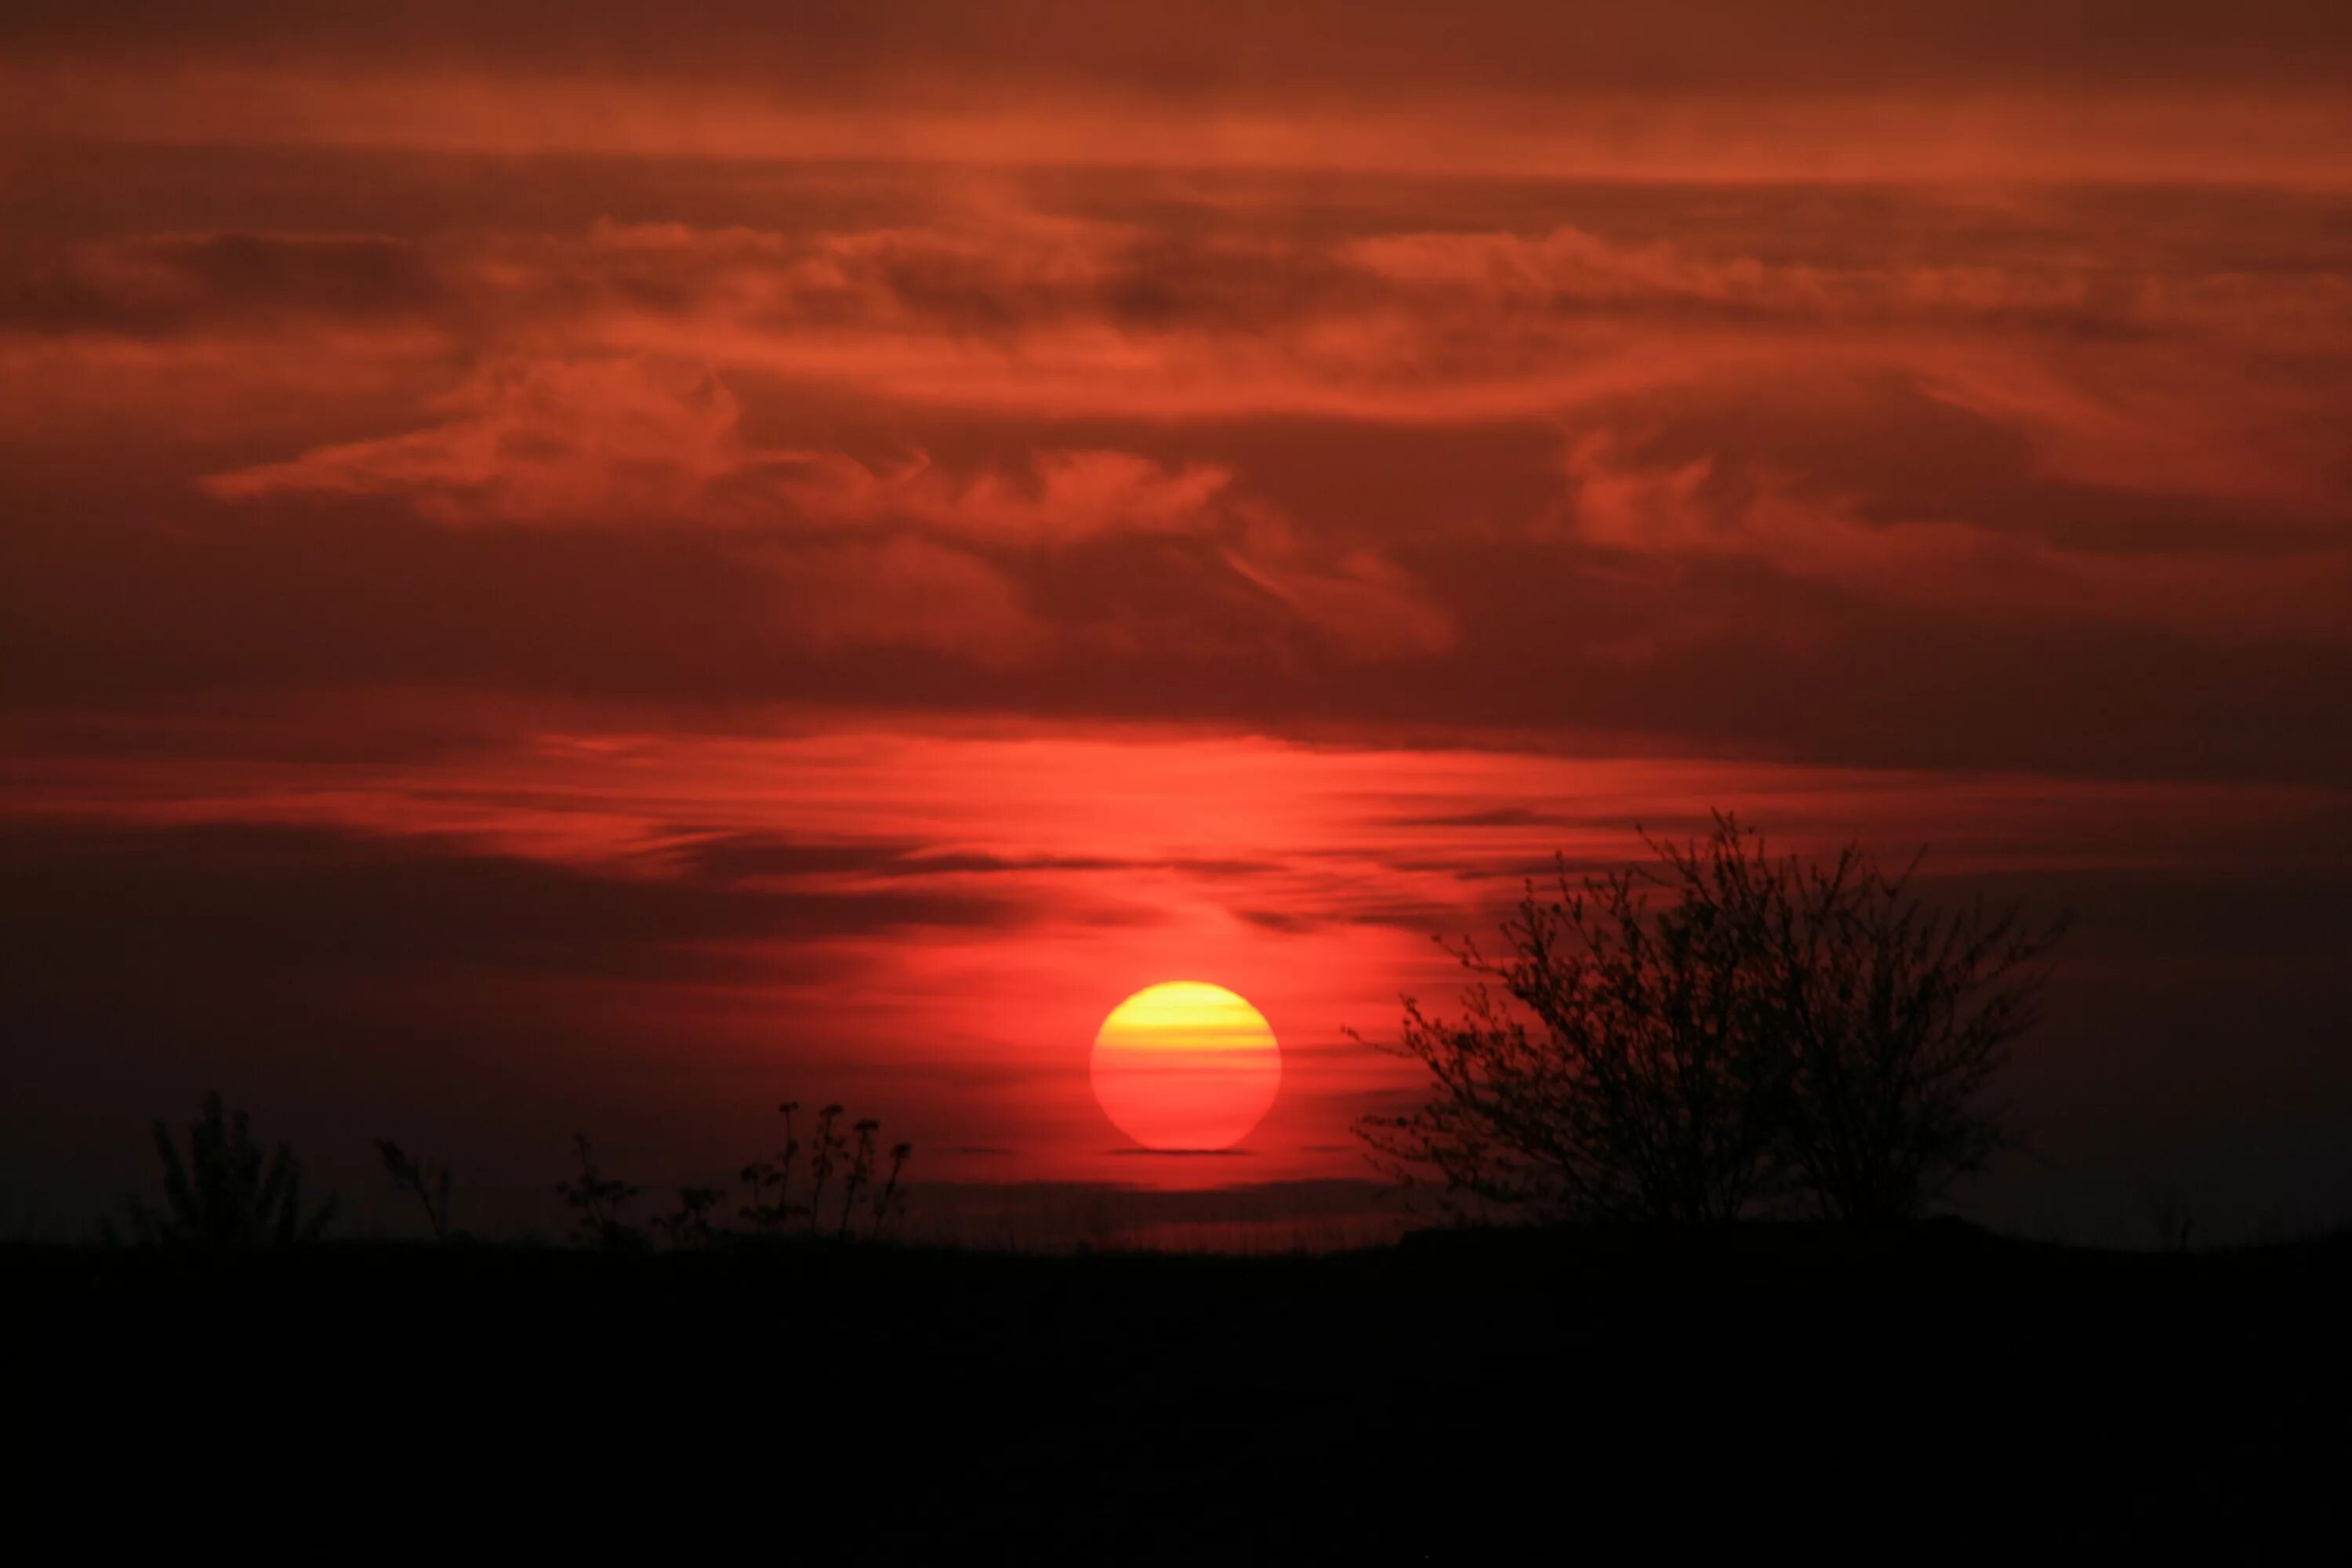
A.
x: 1494, y: 816
x: 1363, y: 602
x: 760, y: 855
x: 1696, y: 511
x: 2136, y: 358
x: 1570, y: 271
x: 168, y: 284
x: 1991, y: 89
x: 737, y: 857
x: 904, y: 593
x: 652, y: 440
x: 251, y: 898
x: 1066, y: 496
x: 989, y: 301
x: 862, y: 556
x: 1275, y: 451
x: 1217, y: 47
x: 2168, y: 423
x: 1282, y: 922
x: 538, y: 442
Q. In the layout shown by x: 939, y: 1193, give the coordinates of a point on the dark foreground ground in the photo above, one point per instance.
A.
x: 1927, y: 1394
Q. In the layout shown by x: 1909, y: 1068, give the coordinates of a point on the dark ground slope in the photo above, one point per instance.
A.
x: 1933, y: 1393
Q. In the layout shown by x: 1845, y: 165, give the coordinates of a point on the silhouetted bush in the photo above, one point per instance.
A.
x: 1776, y: 1031
x: 227, y: 1194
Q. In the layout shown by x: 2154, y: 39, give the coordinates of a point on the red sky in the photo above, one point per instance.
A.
x: 563, y: 567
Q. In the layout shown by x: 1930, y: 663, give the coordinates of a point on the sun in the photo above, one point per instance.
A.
x: 1186, y: 1065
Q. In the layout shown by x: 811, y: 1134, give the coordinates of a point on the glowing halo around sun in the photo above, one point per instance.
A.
x: 1186, y: 1065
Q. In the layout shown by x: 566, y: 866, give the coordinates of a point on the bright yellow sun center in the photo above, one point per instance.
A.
x: 1186, y: 1065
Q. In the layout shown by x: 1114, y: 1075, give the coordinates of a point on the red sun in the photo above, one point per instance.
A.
x: 1186, y: 1065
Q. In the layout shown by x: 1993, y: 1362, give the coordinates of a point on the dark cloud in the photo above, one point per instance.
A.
x: 1550, y: 267
x: 1497, y: 816
x: 965, y: 862
x: 1282, y: 922
x: 1230, y: 46
x: 260, y: 899
x: 169, y: 284
x: 1374, y: 909
x: 735, y: 856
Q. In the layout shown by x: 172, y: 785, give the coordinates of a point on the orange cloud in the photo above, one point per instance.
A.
x: 1694, y: 511
x: 1362, y: 602
x: 908, y: 593
x: 540, y: 442
x: 636, y: 442
x: 1195, y: 438
x: 1068, y: 496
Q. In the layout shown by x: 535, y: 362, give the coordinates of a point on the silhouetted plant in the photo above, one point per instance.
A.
x: 759, y: 1175
x: 227, y: 1194
x: 771, y: 1216
x: 1773, y: 1029
x: 597, y: 1203
x: 829, y: 1145
x: 890, y: 1199
x: 428, y: 1183
x: 860, y: 1173
x: 689, y: 1226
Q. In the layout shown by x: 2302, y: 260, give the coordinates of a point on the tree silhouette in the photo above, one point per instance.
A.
x: 227, y: 1195
x: 1604, y: 1069
x: 1771, y: 1030
x: 1894, y: 1017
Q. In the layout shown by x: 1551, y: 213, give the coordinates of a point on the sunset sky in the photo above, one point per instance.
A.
x: 593, y: 566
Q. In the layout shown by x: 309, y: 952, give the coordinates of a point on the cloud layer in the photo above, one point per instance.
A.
x: 1707, y: 463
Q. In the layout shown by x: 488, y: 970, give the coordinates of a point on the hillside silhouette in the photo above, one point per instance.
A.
x: 1919, y: 1391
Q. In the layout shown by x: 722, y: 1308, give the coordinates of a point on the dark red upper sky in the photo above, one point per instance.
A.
x: 582, y: 566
